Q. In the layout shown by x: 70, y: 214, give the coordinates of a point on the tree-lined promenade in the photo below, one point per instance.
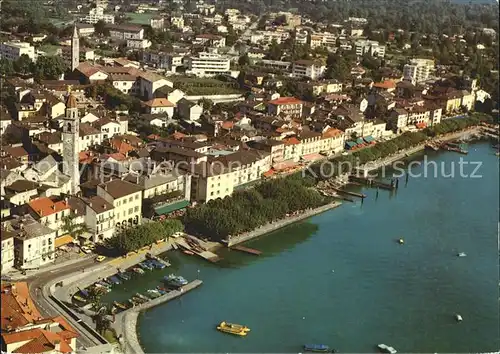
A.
x: 274, y: 199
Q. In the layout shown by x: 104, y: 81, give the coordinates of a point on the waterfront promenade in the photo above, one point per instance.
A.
x: 125, y: 324
x: 273, y: 226
x: 374, y: 165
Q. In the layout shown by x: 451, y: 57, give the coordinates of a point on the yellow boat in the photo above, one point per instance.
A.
x: 232, y: 328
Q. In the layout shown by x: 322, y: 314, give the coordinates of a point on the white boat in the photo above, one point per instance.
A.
x: 462, y: 254
x: 386, y: 349
x: 458, y: 317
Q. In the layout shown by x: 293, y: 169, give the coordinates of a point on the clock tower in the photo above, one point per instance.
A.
x: 70, y: 137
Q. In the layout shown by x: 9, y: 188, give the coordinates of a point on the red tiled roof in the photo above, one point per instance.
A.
x: 46, y: 206
x: 291, y: 141
x: 17, y: 307
x: 332, y: 132
x: 285, y: 100
x: 159, y: 102
x: 117, y: 156
x: 121, y: 146
x: 178, y: 136
x: 227, y: 125
x: 387, y: 84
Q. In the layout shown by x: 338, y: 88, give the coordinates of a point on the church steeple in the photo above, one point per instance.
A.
x: 75, y: 49
x: 71, y: 139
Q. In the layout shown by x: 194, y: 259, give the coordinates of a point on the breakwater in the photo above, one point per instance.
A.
x: 125, y: 323
x: 273, y: 226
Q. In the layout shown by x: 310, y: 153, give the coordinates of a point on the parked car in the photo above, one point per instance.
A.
x: 86, y: 250
x: 100, y: 259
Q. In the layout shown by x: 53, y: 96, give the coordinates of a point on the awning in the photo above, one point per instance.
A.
x: 350, y: 144
x: 421, y: 125
x: 284, y: 165
x: 312, y: 157
x: 63, y: 240
x: 369, y: 138
x: 166, y: 209
x: 360, y: 141
x: 269, y: 173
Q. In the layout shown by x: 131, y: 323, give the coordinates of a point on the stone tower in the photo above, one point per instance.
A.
x: 75, y: 49
x: 70, y: 139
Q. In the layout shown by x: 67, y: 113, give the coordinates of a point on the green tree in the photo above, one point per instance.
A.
x: 71, y: 227
x: 206, y: 103
x: 101, y: 29
x: 23, y: 65
x: 49, y: 67
x: 6, y: 67
x: 244, y: 60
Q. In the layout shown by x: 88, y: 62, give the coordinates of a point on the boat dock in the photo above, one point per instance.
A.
x: 150, y: 256
x: 246, y: 250
x: 373, y: 183
x: 199, y: 251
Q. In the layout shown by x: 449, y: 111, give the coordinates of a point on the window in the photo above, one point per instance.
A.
x: 130, y: 211
x: 124, y: 201
x: 130, y: 199
x: 118, y: 215
x: 136, y: 209
x: 211, y: 193
x: 136, y: 196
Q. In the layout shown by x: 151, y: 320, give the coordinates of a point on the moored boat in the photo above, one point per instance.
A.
x: 123, y: 275
x: 145, y: 265
x: 230, y: 328
x: 79, y: 298
x: 84, y: 293
x: 120, y: 305
x: 138, y: 270
x: 386, y: 349
x: 188, y: 252
x: 316, y: 348
x: 175, y: 280
x: 462, y: 254
x: 458, y: 318
x: 114, y: 280
x: 142, y: 296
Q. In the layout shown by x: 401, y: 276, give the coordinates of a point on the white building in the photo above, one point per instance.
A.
x: 177, y: 21
x: 126, y: 199
x: 138, y: 43
x: 97, y: 14
x: 7, y: 250
x: 162, y: 60
x: 125, y: 32
x: 160, y: 105
x: 371, y: 47
x: 208, y: 64
x: 418, y: 70
x: 149, y: 82
x: 308, y: 68
x: 100, y: 218
x: 14, y: 50
x: 34, y: 243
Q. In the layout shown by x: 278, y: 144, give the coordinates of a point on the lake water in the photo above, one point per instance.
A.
x: 341, y: 278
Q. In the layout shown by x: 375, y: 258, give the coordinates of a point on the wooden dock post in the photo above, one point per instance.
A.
x: 406, y: 177
x: 376, y: 196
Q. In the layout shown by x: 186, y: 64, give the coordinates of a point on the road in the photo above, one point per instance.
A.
x: 47, y: 308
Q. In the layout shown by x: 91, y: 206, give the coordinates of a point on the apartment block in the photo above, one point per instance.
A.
x: 308, y: 68
x: 208, y: 64
x: 14, y: 50
x: 373, y: 48
x: 97, y: 14
x: 418, y: 70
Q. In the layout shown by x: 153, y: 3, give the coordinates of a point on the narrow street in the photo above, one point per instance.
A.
x: 46, y: 308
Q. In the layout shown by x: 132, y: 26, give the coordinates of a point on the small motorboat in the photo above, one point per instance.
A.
x: 232, y: 328
x: 316, y: 348
x: 157, y: 264
x: 101, y: 284
x: 401, y: 241
x: 146, y: 265
x: 84, y: 293
x: 458, y: 318
x: 79, y: 298
x: 138, y: 270
x: 120, y: 305
x: 123, y: 275
x: 114, y: 280
x: 188, y: 252
x: 161, y: 290
x: 142, y: 296
x: 386, y: 349
x: 175, y: 280
x: 462, y: 254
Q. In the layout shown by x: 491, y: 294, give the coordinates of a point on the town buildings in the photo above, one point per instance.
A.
x: 14, y: 50
x: 208, y: 64
x: 418, y: 70
x: 369, y: 47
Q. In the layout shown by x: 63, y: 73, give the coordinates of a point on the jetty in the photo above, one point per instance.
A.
x: 449, y: 146
x: 373, y: 183
x: 246, y: 250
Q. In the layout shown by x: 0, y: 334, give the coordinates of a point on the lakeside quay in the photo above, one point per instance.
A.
x: 347, y: 265
x: 125, y: 324
x: 373, y: 165
x: 273, y: 226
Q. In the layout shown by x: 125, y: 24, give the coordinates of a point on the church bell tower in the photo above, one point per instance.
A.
x: 75, y: 49
x: 70, y: 137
